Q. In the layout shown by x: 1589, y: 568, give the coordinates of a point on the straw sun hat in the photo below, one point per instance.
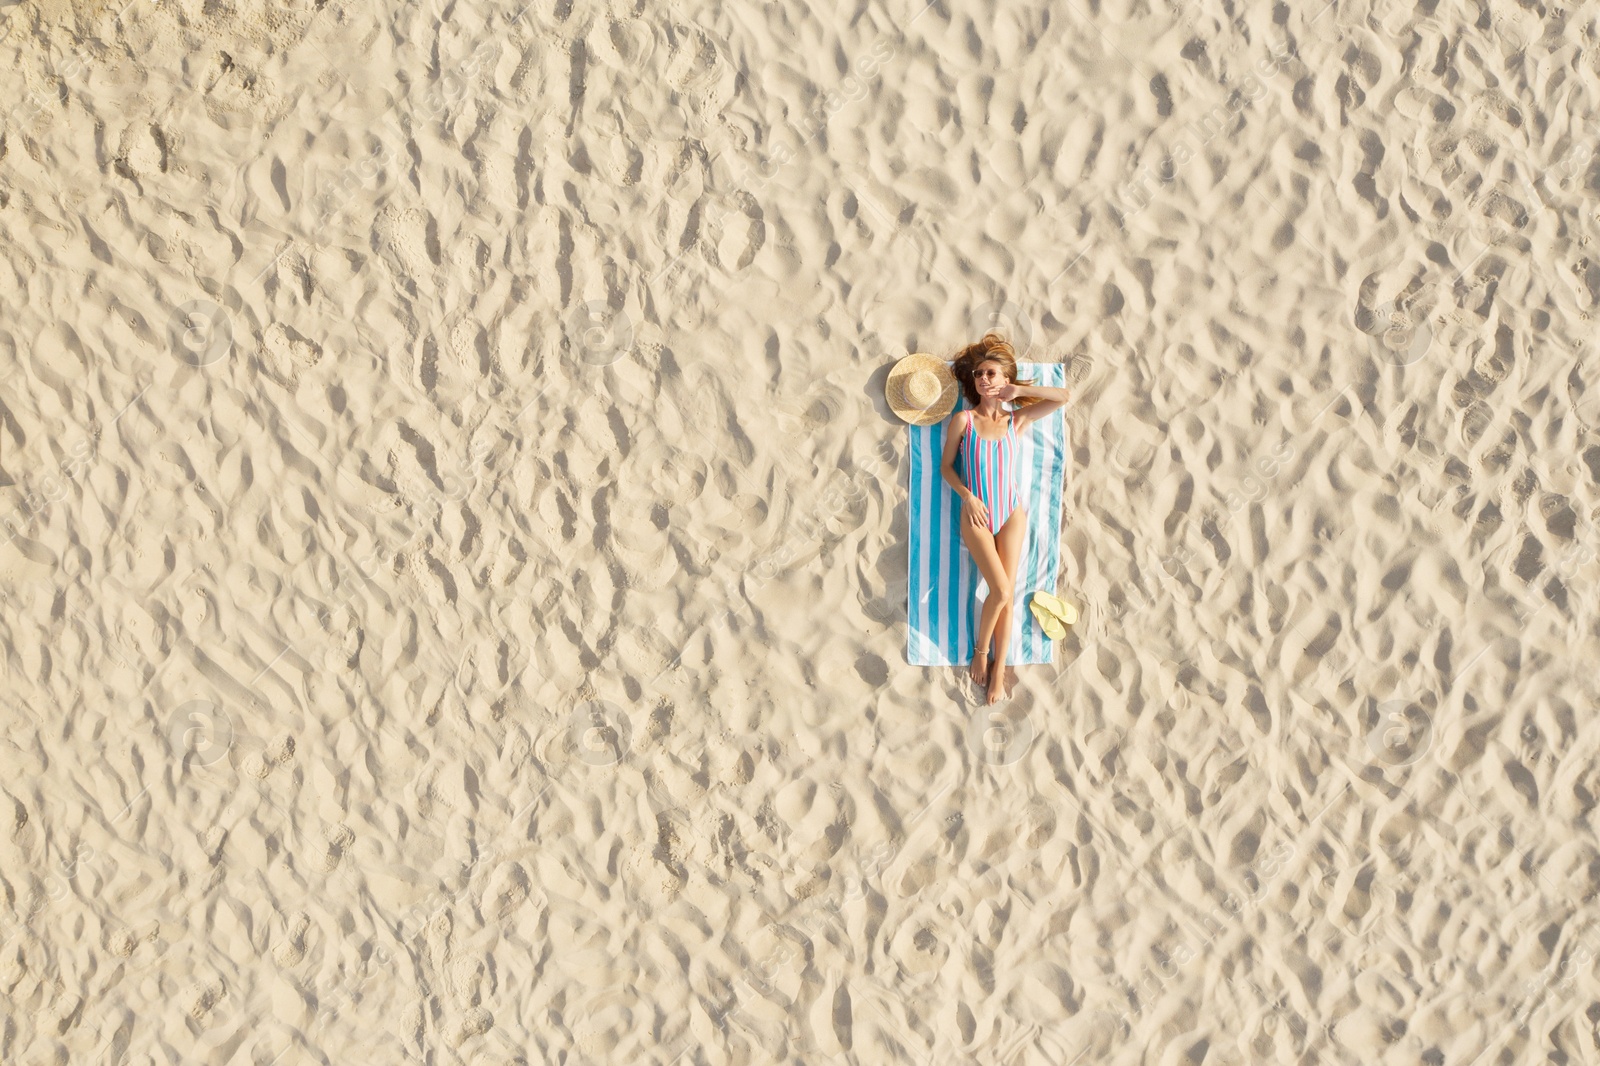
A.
x: 921, y: 389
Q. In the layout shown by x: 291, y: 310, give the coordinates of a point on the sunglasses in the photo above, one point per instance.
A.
x: 989, y: 374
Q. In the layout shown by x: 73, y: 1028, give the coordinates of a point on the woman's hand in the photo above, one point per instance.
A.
x: 975, y: 511
x: 1007, y: 392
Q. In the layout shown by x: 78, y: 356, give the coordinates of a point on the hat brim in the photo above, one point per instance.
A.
x: 915, y: 414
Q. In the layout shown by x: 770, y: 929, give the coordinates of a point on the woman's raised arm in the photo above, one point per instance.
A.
x: 1049, y: 400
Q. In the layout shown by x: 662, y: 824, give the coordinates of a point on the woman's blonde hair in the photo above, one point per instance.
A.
x: 992, y: 349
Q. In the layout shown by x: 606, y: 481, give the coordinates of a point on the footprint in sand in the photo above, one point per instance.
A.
x: 144, y: 152
x: 339, y: 837
x: 280, y: 749
x: 408, y: 238
x: 293, y: 949
x: 530, y: 73
x: 510, y: 889
x: 475, y: 1022
x: 205, y: 1000
x: 920, y: 946
x: 257, y: 766
x: 733, y: 233
x: 286, y: 353
x: 466, y: 982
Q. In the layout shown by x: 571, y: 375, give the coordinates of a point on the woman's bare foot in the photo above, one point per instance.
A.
x: 980, y: 667
x: 997, y: 684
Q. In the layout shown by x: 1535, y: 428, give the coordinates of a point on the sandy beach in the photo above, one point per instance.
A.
x: 453, y: 540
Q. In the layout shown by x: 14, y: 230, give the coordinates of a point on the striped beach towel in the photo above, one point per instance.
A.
x: 944, y: 580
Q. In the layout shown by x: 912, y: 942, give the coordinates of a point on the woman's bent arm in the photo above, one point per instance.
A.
x: 1050, y: 400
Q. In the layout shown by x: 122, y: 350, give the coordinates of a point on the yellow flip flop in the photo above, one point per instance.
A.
x: 1058, y: 607
x: 1048, y: 622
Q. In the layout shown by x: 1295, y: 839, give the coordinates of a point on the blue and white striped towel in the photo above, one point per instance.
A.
x: 944, y: 579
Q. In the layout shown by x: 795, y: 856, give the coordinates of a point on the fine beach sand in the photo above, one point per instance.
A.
x: 454, y: 557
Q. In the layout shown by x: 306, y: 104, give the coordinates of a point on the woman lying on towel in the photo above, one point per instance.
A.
x: 993, y: 525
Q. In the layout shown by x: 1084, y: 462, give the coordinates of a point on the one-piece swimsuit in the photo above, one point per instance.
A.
x: 990, y: 469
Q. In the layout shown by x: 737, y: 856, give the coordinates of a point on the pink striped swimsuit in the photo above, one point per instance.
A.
x: 990, y: 470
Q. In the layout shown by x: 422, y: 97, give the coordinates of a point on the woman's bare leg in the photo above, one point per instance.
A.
x: 981, y: 543
x: 1008, y: 545
x: 1002, y: 624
